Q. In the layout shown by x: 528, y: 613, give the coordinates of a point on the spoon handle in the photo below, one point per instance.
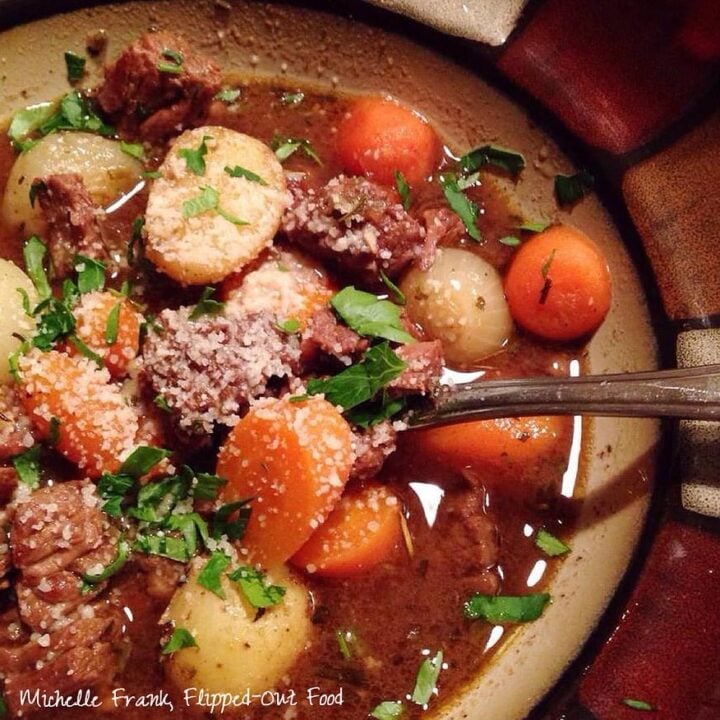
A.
x: 685, y: 393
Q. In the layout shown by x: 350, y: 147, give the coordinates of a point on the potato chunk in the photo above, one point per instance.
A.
x: 198, y: 246
x: 106, y: 170
x: 460, y: 302
x: 235, y: 650
x: 13, y: 319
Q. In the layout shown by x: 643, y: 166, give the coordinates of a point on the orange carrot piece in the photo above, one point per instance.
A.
x: 72, y: 398
x: 363, y: 530
x: 294, y: 460
x: 379, y: 137
x: 92, y: 314
x: 558, y: 286
x: 496, y: 444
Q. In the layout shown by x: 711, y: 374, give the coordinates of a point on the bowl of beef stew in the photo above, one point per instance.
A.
x: 238, y: 244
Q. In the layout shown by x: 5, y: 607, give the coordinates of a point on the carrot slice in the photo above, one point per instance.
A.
x: 496, y: 444
x: 72, y: 398
x: 362, y: 531
x: 102, y: 315
x: 558, y: 285
x: 379, y: 137
x: 294, y: 460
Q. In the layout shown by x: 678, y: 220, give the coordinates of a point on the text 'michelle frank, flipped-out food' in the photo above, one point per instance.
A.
x: 221, y: 300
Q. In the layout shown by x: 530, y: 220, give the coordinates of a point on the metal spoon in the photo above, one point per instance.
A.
x: 684, y: 393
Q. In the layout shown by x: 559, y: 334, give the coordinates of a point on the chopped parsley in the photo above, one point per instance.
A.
x: 180, y: 639
x: 206, y: 305
x: 27, y: 467
x: 403, y: 189
x: 387, y: 710
x: 209, y: 199
x: 256, y: 590
x: 571, y: 188
x: 638, y: 704
x: 393, y: 290
x: 173, y: 62
x: 27, y: 122
x: 91, y: 274
x: 121, y: 557
x: 372, y: 413
x: 56, y: 322
x: 195, y: 159
x: 493, y: 156
x: 34, y: 253
x: 223, y: 524
x: 535, y: 227
x: 151, y: 174
x: 241, y: 172
x: 370, y: 316
x: 292, y: 98
x: 142, y: 460
x: 228, y: 95
x: 84, y: 350
x: 112, y: 325
x: 284, y: 147
x: 75, y: 65
x: 510, y: 241
x: 427, y: 678
x: 289, y: 326
x: 134, y: 150
x: 344, y: 638
x: 211, y: 574
x: 207, y: 486
x: 360, y: 382
x: 460, y: 204
x: 160, y: 402
x: 506, y: 608
x: 549, y: 544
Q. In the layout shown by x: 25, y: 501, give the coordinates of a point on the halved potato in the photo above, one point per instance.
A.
x: 106, y: 170
x: 204, y: 246
x: 235, y: 649
x: 13, y: 318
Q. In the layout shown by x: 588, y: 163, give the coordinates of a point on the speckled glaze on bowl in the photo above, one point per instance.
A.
x: 335, y: 52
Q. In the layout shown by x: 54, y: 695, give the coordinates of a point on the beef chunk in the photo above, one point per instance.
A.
x: 209, y: 368
x: 162, y: 575
x: 442, y: 226
x: 57, y: 533
x: 357, y: 225
x: 324, y: 335
x: 144, y: 100
x: 424, y: 362
x: 372, y: 447
x: 15, y: 426
x: 72, y: 221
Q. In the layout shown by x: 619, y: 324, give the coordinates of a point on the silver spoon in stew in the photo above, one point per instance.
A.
x: 692, y: 393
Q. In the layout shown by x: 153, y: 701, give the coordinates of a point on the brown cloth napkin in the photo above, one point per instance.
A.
x: 487, y: 21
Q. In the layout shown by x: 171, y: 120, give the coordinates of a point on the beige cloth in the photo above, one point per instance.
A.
x: 487, y: 21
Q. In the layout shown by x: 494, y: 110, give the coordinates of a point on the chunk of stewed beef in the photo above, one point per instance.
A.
x: 355, y: 224
x: 162, y: 575
x: 71, y: 217
x: 67, y: 637
x: 158, y: 87
x: 372, y: 447
x: 207, y: 369
x: 15, y: 426
x: 326, y: 337
x: 424, y: 361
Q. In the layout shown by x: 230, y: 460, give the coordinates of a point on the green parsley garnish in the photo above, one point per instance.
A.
x: 510, y: 241
x: 112, y: 325
x: 241, y: 172
x: 394, y: 291
x: 121, y: 557
x: 34, y: 253
x: 206, y: 305
x: 253, y: 585
x: 91, y: 274
x: 207, y: 486
x: 460, y: 204
x: 181, y: 638
x: 360, y: 382
x: 289, y: 326
x: 84, y: 350
x: 427, y: 678
x: 75, y: 65
x: 173, y: 63
x: 387, y: 710
x: 403, y: 189
x: 224, y: 525
x: 506, y: 608
x: 228, y: 95
x: 209, y: 199
x: 142, y: 460
x: 638, y: 704
x: 571, y: 188
x: 535, y: 227
x: 370, y: 316
x: 284, y: 147
x: 549, y: 544
x: 134, y: 150
x: 344, y: 638
x: 27, y: 467
x: 493, y: 156
x: 195, y: 159
x: 292, y: 98
x: 209, y: 576
x: 160, y: 402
